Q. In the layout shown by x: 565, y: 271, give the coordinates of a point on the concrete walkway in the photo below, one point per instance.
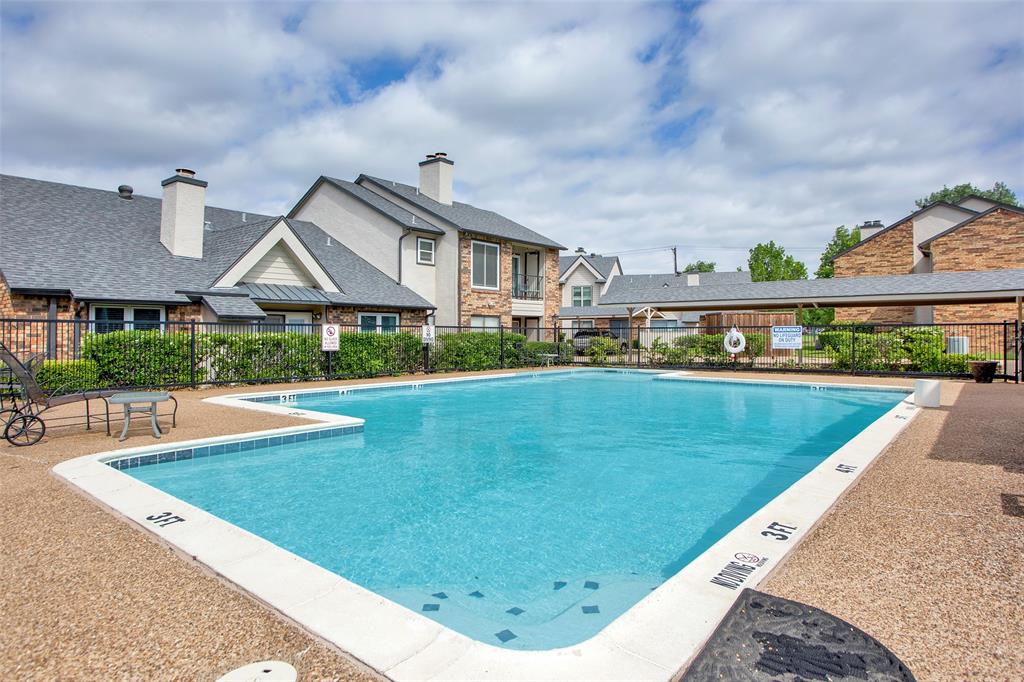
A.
x: 926, y: 554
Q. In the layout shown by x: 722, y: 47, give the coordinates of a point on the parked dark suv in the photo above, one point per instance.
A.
x: 581, y: 339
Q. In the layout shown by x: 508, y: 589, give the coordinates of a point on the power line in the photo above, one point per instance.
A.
x: 705, y: 247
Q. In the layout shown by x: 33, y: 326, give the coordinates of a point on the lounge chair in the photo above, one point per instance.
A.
x: 22, y: 423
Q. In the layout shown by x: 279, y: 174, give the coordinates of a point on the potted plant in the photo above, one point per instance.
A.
x: 983, y: 371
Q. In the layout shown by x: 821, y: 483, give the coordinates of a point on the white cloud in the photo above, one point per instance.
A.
x: 808, y: 115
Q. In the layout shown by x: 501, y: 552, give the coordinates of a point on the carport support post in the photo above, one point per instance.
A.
x: 192, y: 353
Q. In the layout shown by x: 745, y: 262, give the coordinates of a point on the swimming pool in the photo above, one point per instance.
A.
x: 525, y: 512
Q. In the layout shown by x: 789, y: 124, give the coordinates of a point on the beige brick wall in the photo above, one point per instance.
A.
x: 552, y: 290
x: 499, y: 303
x: 880, y: 315
x: 484, y: 301
x: 193, y: 312
x: 348, y: 316
x: 992, y: 242
x: 889, y: 253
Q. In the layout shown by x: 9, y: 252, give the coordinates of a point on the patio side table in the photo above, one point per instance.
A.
x: 143, y: 402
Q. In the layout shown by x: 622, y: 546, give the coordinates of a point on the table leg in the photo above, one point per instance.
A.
x: 127, y: 418
x: 152, y: 420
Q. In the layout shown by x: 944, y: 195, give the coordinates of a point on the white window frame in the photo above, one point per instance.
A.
x: 378, y: 327
x: 129, y: 314
x: 582, y: 324
x: 665, y: 323
x: 581, y: 288
x: 472, y: 261
x: 482, y: 327
x: 419, y: 251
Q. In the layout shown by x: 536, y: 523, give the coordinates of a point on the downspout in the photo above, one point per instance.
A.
x: 405, y: 234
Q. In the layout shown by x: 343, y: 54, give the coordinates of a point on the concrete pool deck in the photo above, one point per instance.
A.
x: 928, y: 529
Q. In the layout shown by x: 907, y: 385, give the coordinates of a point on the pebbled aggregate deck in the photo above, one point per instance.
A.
x: 924, y: 554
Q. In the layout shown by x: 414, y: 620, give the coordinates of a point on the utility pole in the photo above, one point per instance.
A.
x: 675, y: 261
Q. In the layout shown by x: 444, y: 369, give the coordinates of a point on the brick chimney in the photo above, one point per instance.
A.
x: 182, y: 214
x: 436, y: 175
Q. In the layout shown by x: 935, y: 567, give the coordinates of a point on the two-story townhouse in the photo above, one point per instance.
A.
x: 125, y: 261
x: 586, y: 277
x: 480, y: 268
x: 975, y: 234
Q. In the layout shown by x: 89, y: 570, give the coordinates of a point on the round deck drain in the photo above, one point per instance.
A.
x: 263, y: 671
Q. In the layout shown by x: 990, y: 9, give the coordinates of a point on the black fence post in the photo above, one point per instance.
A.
x: 853, y: 349
x: 426, y: 357
x: 1006, y: 354
x: 192, y: 353
x: 501, y: 344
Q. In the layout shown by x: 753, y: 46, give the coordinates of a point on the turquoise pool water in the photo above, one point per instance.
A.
x: 528, y: 512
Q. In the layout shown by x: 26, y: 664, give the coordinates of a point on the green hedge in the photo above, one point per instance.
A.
x: 140, y: 358
x: 710, y: 349
x: 68, y: 376
x: 905, y: 349
x: 477, y: 350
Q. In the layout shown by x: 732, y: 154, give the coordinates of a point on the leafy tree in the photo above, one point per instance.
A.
x: 770, y: 262
x: 999, y: 192
x: 700, y: 266
x: 841, y: 240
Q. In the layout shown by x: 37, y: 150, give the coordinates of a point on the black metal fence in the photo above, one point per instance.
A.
x: 74, y: 355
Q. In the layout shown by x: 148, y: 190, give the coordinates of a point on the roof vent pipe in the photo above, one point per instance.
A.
x: 125, y: 191
x: 580, y: 250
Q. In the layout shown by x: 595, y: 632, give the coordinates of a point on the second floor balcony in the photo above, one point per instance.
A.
x: 527, y: 287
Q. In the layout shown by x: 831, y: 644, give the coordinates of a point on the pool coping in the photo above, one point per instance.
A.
x: 652, y: 640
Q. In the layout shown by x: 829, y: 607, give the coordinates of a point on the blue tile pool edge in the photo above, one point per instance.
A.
x: 230, y: 447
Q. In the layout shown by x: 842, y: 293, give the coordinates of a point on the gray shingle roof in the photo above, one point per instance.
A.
x: 603, y: 264
x: 240, y: 307
x: 101, y: 247
x: 465, y: 216
x: 593, y: 311
x: 668, y: 289
x: 382, y: 205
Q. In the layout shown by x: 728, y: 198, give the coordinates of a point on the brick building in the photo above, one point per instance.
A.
x: 479, y: 268
x: 975, y: 234
x: 124, y: 261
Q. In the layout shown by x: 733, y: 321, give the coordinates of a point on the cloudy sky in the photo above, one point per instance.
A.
x: 620, y: 127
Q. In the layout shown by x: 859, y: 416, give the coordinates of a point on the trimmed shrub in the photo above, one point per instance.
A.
x: 710, y: 349
x: 139, y: 358
x: 68, y: 376
x: 477, y: 350
x: 600, y: 348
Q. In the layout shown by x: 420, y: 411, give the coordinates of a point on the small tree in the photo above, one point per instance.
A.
x: 999, y: 192
x: 700, y: 266
x: 770, y: 262
x: 841, y: 240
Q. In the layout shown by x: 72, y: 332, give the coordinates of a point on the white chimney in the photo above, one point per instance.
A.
x: 692, y: 279
x: 436, y: 175
x: 870, y: 228
x: 182, y: 214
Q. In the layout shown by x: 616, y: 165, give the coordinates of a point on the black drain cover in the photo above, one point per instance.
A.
x: 765, y: 638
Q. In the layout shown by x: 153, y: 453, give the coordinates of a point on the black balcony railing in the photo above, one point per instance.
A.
x: 527, y: 287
